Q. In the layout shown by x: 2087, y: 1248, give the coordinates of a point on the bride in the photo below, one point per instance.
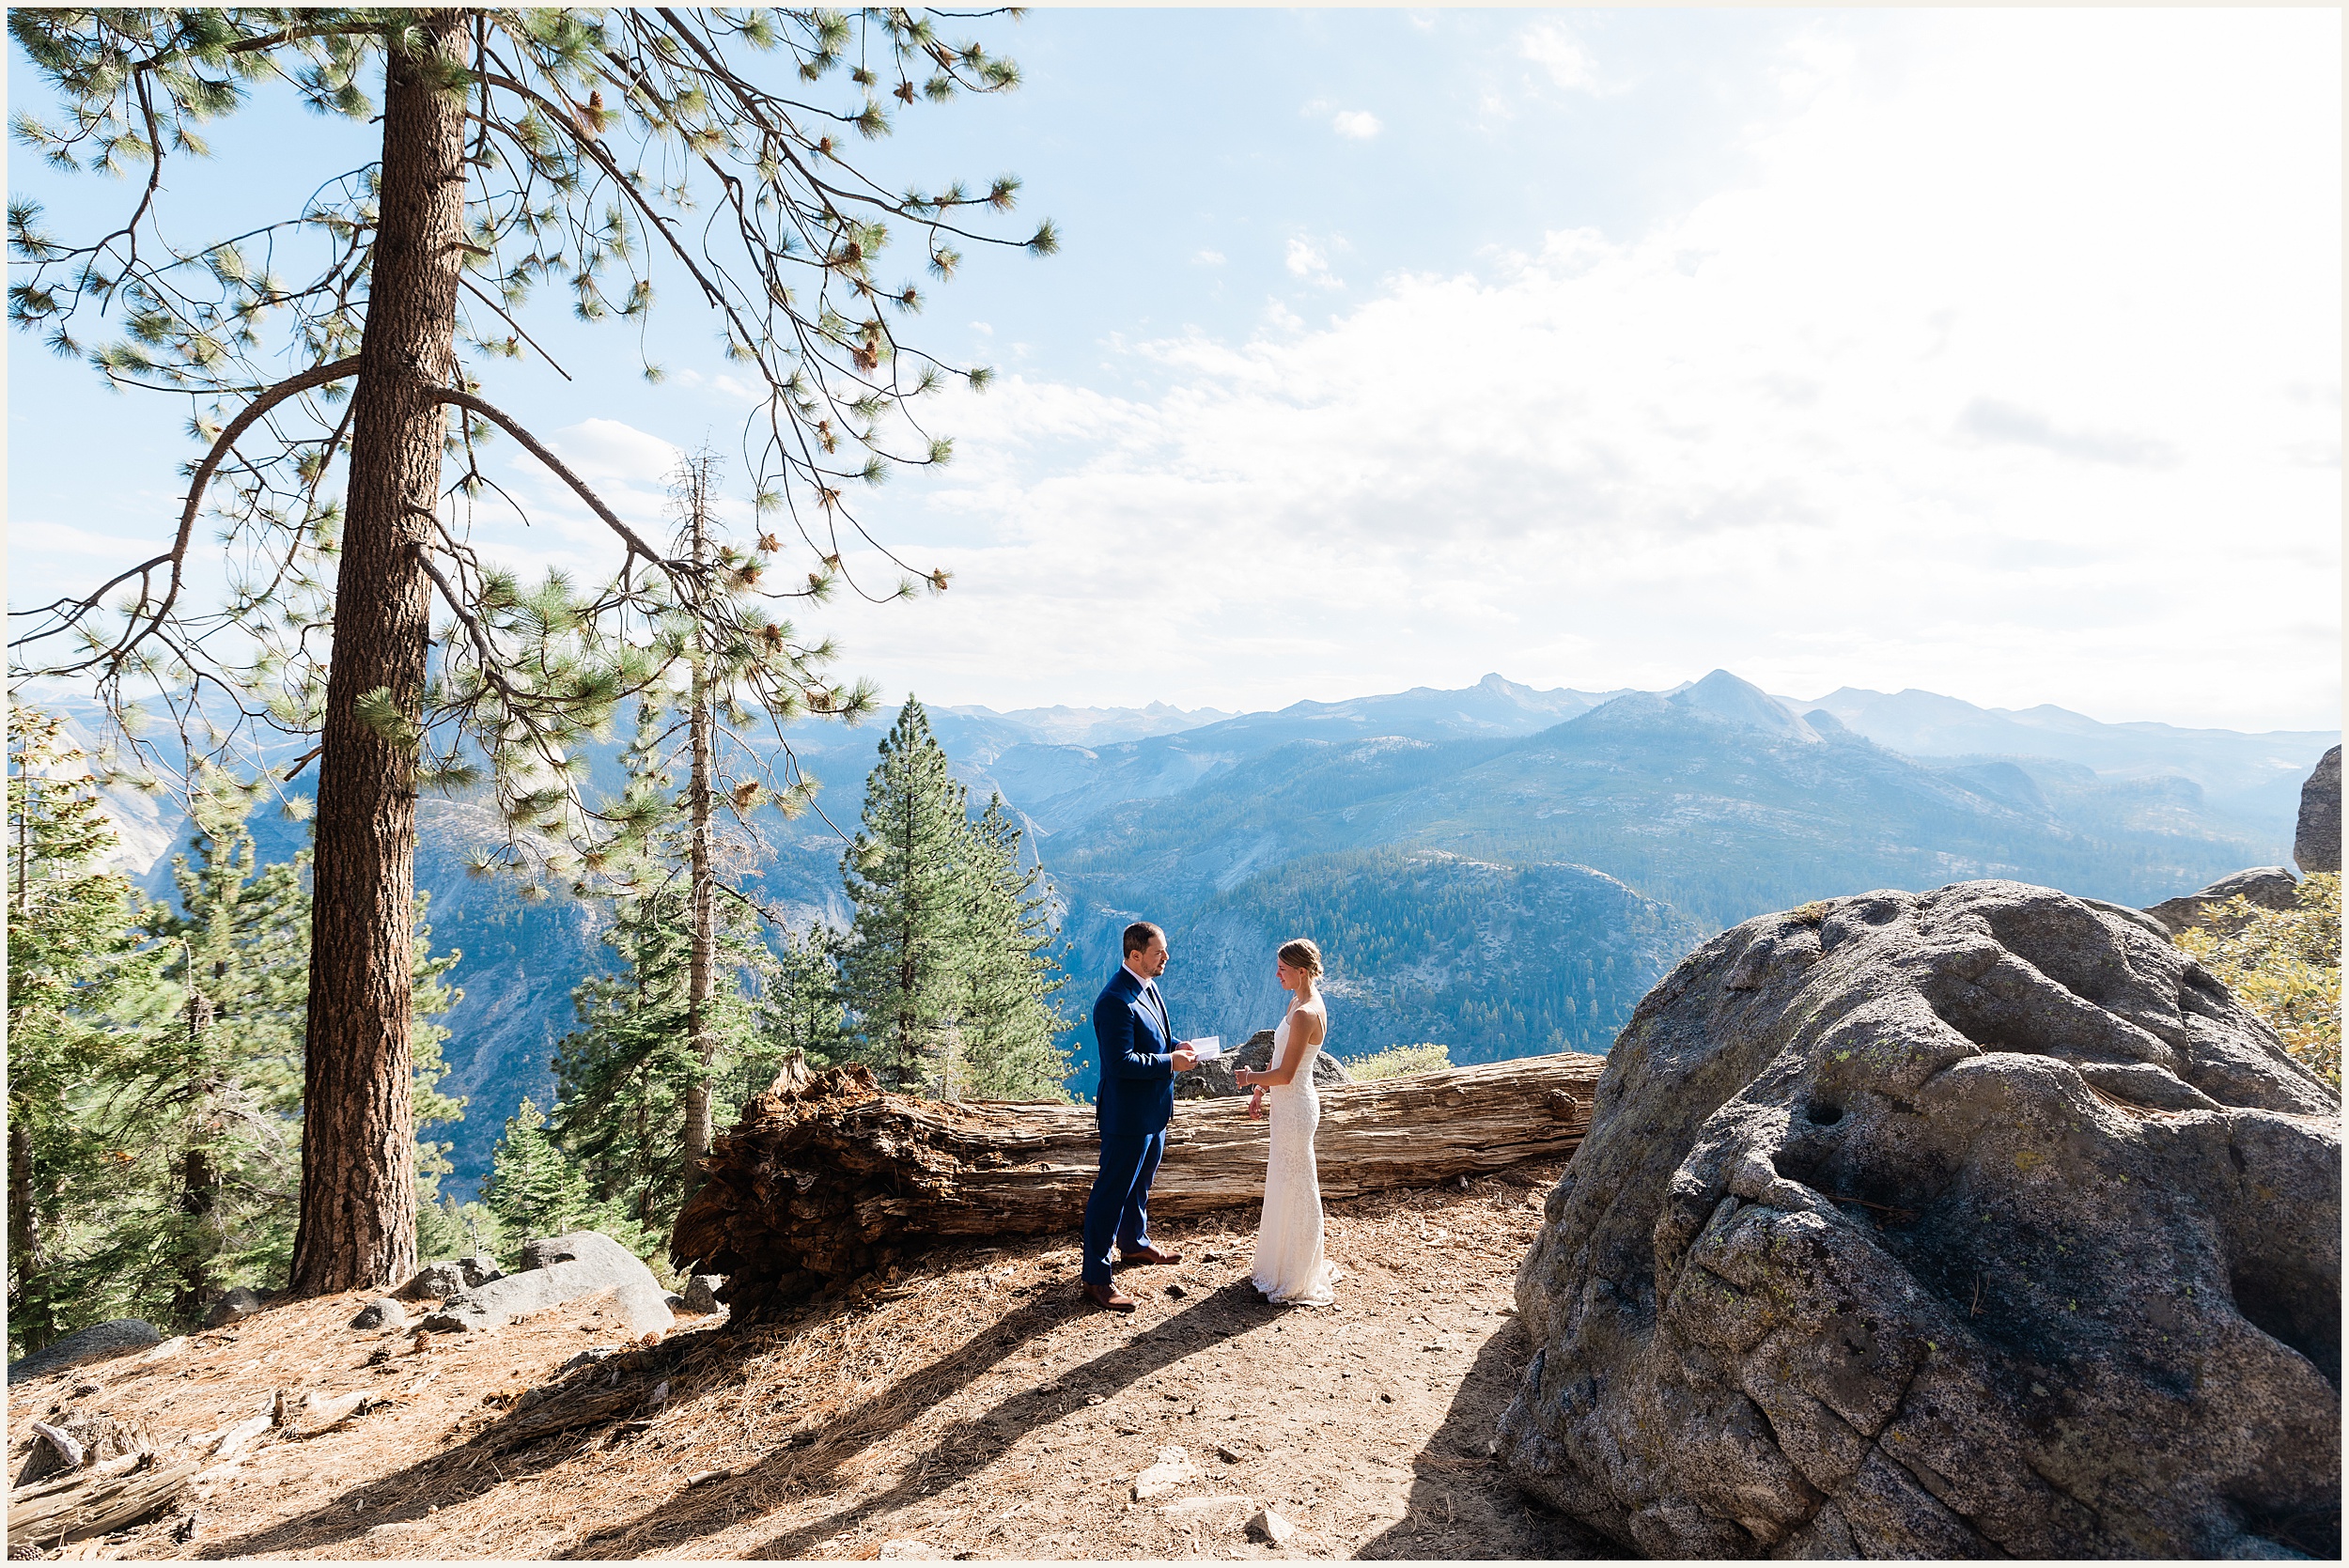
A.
x: 1290, y: 1266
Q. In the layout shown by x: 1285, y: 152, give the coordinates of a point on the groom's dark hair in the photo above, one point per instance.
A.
x: 1138, y: 937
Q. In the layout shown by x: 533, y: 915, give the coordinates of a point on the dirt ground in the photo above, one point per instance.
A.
x: 972, y: 1406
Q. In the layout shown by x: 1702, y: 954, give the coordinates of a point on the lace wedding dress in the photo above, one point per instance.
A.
x: 1289, y: 1266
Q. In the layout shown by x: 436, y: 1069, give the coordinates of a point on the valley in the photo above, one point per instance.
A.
x: 1497, y: 869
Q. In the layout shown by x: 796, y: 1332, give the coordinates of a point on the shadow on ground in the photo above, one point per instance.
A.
x: 1463, y: 1504
x: 962, y: 1450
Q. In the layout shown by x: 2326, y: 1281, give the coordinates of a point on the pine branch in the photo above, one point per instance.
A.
x: 176, y: 558
x: 507, y: 422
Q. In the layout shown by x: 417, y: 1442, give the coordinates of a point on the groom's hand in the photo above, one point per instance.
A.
x: 1185, y: 1058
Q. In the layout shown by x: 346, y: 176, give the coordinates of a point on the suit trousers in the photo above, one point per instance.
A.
x: 1118, y: 1208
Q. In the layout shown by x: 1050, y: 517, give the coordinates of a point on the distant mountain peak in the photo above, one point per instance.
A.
x: 1724, y: 697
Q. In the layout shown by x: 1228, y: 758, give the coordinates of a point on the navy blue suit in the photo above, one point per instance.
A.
x: 1133, y: 1102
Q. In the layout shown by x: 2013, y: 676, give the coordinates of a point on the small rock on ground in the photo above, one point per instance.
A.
x: 1172, y: 1470
x: 381, y: 1313
x: 238, y: 1303
x: 1271, y: 1528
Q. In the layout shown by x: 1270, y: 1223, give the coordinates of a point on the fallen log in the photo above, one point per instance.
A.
x: 85, y: 1507
x: 827, y: 1173
x: 568, y: 1410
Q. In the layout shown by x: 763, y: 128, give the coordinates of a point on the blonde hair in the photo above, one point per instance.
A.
x: 1302, y: 954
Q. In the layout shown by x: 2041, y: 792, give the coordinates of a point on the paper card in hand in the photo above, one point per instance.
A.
x: 1209, y: 1048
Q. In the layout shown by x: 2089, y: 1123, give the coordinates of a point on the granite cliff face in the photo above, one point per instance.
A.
x: 2316, y: 845
x: 1965, y: 1223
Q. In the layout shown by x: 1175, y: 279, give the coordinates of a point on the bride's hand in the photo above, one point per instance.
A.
x: 1256, y: 1105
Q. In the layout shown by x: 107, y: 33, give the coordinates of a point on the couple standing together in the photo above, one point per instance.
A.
x: 1140, y: 1056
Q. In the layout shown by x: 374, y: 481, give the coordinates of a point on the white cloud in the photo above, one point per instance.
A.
x: 39, y: 535
x: 1208, y: 259
x: 1308, y: 262
x: 2016, y: 406
x: 1359, y: 124
x: 606, y: 448
x: 731, y: 386
x: 1551, y: 46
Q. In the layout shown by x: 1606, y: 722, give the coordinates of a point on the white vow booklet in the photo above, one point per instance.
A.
x: 1209, y: 1048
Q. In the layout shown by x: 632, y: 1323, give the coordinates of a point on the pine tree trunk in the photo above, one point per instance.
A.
x: 909, y: 1053
x: 199, y: 1191
x: 358, y: 1220
x: 703, y: 957
x: 24, y: 1238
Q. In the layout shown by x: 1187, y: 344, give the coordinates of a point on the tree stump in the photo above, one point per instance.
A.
x: 823, y: 1178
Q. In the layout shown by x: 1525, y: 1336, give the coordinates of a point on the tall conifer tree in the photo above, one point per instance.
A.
x: 533, y: 1188
x: 801, y: 1008
x: 625, y: 1075
x: 1009, y: 1017
x: 519, y: 146
x: 945, y: 975
x: 218, y: 1081
x: 71, y: 974
x: 908, y: 871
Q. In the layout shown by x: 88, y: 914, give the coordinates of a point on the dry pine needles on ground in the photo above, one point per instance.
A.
x: 969, y: 1404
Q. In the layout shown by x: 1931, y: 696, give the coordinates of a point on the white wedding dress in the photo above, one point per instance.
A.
x: 1290, y: 1266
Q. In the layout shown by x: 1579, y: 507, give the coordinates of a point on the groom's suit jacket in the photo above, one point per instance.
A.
x: 1136, y: 1096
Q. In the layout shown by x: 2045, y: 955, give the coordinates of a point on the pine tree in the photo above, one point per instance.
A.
x: 1009, y: 1018
x: 620, y: 1076
x: 945, y: 973
x: 217, y: 1086
x: 533, y: 1187
x: 72, y: 973
x: 665, y: 1043
x: 198, y: 1108
x: 908, y: 871
x: 518, y: 145
x: 625, y: 1075
x: 694, y: 723
x: 800, y: 1009
x: 429, y: 995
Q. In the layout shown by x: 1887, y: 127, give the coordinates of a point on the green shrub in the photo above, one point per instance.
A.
x: 2285, y: 965
x: 1398, y: 1062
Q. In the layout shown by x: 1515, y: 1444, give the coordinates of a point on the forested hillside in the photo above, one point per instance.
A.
x: 1481, y: 874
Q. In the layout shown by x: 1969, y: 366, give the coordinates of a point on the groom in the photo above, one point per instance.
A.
x: 1140, y: 1056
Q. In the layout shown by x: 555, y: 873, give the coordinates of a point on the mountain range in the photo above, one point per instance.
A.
x: 1500, y: 869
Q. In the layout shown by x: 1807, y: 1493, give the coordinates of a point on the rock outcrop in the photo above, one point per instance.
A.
x: 382, y: 1313
x: 1213, y: 1079
x: 2316, y: 846
x: 235, y: 1304
x: 556, y: 1270
x: 1973, y: 1222
x: 437, y: 1282
x: 2268, y: 887
x: 88, y: 1344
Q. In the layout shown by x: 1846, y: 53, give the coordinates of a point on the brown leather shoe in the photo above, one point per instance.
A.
x: 1106, y: 1297
x: 1149, y: 1254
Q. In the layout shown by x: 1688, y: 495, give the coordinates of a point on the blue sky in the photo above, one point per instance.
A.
x: 1995, y: 352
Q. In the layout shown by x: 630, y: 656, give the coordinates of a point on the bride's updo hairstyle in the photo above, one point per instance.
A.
x: 1302, y: 954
